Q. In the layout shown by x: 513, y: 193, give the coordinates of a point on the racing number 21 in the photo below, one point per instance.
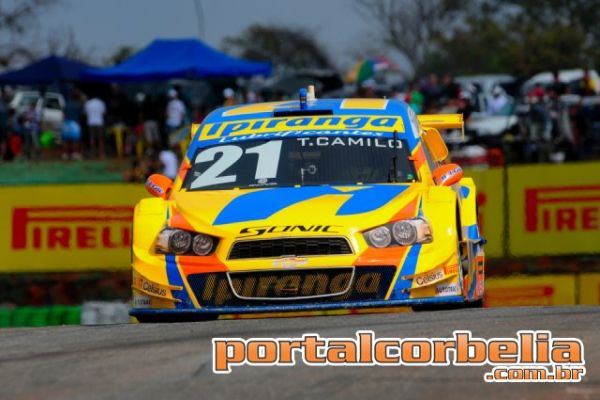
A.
x: 266, y: 167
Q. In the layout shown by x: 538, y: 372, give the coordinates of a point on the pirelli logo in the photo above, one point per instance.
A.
x: 71, y: 227
x: 565, y: 208
x: 538, y: 295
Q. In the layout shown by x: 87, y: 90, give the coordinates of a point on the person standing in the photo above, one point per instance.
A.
x: 169, y: 163
x: 229, y: 96
x: 497, y: 102
x: 32, y: 119
x: 71, y: 133
x: 175, y: 112
x: 3, y: 124
x: 94, y: 111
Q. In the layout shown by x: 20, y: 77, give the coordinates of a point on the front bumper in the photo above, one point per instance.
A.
x: 135, y: 312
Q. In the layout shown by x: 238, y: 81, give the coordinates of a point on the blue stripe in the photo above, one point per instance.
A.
x: 175, y: 279
x: 262, y: 204
x: 473, y: 232
x: 408, y: 268
x: 369, y: 199
x: 300, y: 307
x: 464, y: 191
x: 471, y: 293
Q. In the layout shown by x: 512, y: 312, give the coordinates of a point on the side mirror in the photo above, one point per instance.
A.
x: 435, y: 143
x: 447, y: 175
x: 159, y: 185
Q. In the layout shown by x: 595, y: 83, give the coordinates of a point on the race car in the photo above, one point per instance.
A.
x: 314, y: 204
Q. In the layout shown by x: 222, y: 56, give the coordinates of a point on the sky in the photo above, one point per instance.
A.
x: 101, y: 26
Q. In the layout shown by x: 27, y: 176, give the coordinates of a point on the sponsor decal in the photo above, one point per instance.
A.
x: 291, y: 125
x: 154, y: 189
x: 447, y: 289
x: 448, y: 175
x: 151, y: 288
x: 562, y: 209
x: 291, y: 285
x: 279, y: 286
x: 261, y: 230
x: 290, y: 262
x: 324, y: 141
x: 433, y: 276
x: 140, y: 301
x: 66, y: 227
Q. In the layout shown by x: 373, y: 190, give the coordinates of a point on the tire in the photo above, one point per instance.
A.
x: 473, y: 304
x: 437, y: 307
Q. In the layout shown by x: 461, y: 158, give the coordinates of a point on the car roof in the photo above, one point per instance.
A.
x: 333, y: 117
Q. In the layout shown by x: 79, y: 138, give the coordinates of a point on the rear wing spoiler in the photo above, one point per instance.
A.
x: 442, y: 121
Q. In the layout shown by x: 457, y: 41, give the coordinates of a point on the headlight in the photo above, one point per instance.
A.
x: 180, y: 241
x: 202, y: 244
x: 403, y: 233
x: 380, y: 237
x: 177, y: 241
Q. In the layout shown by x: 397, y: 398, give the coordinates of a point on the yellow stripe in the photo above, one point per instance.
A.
x: 254, y: 108
x: 364, y: 104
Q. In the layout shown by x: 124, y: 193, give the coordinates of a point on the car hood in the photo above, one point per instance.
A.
x: 227, y: 212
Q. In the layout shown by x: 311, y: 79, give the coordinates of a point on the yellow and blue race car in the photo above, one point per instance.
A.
x: 304, y: 205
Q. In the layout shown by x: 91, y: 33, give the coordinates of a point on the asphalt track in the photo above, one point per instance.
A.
x: 174, y: 361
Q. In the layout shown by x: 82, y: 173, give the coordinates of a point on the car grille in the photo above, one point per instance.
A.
x: 316, y: 285
x: 270, y: 248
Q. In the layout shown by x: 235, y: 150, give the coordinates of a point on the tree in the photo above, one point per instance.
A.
x: 15, y: 18
x: 414, y: 26
x: 521, y: 37
x: 279, y: 45
x: 500, y: 38
x: 120, y: 54
x: 62, y: 42
x: 559, y: 33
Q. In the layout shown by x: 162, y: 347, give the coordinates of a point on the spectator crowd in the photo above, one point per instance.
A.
x: 553, y: 123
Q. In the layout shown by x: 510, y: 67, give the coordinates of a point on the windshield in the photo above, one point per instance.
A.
x: 300, y: 161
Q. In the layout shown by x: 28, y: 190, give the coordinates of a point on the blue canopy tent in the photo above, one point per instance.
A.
x: 181, y: 58
x: 45, y: 71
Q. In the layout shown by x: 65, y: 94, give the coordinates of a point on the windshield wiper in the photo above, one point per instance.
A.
x: 393, y: 173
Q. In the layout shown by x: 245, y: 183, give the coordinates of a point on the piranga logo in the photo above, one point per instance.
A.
x: 272, y: 125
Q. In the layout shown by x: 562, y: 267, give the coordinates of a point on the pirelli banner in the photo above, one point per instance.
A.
x: 490, y: 199
x: 543, y: 290
x: 551, y: 210
x: 554, y: 209
x: 67, y: 227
